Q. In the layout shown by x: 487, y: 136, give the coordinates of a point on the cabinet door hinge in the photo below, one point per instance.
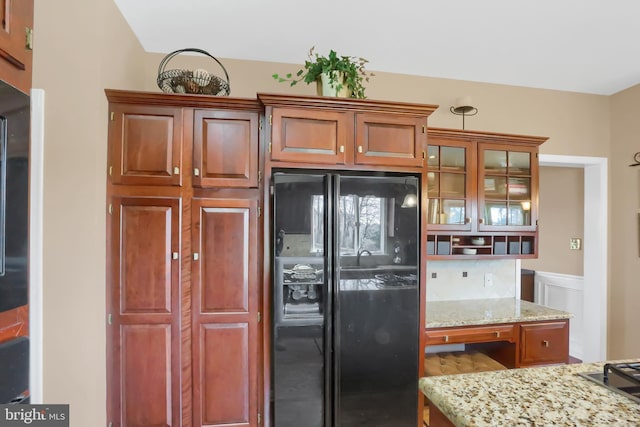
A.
x: 110, y: 208
x: 112, y: 116
x: 270, y: 119
x: 270, y: 147
x: 28, y: 42
x: 110, y: 170
x: 109, y: 321
x: 424, y: 129
x: 259, y: 317
x: 259, y: 211
x: 259, y: 176
x: 260, y: 124
x: 259, y: 418
x: 424, y: 154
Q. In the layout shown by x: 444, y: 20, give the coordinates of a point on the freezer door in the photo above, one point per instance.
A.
x: 300, y: 302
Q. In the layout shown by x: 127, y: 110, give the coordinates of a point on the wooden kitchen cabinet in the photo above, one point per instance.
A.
x: 346, y: 132
x: 483, y: 193
x: 468, y: 335
x: 16, y: 55
x: 225, y: 301
x: 225, y: 149
x: 144, y: 363
x: 514, y: 345
x: 146, y: 145
x: 544, y: 343
x: 183, y: 261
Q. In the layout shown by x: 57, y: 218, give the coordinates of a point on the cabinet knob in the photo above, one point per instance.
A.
x: 196, y: 172
x: 342, y: 148
x: 446, y: 338
x: 174, y: 255
x: 176, y: 170
x: 359, y: 148
x: 545, y: 343
x: 497, y: 334
x: 467, y: 220
x: 481, y: 220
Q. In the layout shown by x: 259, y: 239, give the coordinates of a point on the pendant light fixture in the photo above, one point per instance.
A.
x: 411, y: 198
x: 464, y: 108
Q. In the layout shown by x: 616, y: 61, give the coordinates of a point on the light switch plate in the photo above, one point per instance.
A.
x: 575, y: 243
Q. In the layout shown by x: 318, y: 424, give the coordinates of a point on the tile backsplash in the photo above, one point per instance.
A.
x: 450, y: 282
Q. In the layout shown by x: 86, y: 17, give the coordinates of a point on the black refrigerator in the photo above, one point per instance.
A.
x: 345, y: 330
x: 14, y: 226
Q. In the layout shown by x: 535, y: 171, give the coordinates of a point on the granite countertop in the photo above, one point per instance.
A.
x: 443, y: 314
x: 553, y: 396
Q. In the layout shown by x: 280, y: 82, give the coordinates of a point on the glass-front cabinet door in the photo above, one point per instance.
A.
x: 450, y: 184
x: 507, y: 188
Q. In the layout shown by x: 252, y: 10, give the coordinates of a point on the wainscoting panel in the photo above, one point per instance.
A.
x: 564, y: 292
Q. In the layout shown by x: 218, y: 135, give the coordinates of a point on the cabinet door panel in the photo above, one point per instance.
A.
x: 390, y: 140
x: 311, y: 136
x: 143, y: 370
x: 145, y: 267
x: 224, y: 259
x: 225, y: 374
x: 450, y: 184
x: 146, y: 145
x: 543, y: 343
x: 225, y: 149
x: 148, y: 397
x: 508, y: 190
x: 225, y: 312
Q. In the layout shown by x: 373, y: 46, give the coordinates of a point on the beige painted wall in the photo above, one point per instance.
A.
x: 561, y: 217
x: 624, y: 288
x: 83, y: 47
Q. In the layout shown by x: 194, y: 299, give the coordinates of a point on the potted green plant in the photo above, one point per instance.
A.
x: 335, y: 75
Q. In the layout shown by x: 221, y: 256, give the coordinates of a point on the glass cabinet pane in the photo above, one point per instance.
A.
x: 453, y: 212
x: 495, y: 213
x: 519, y: 188
x: 433, y: 157
x: 495, y: 161
x: 452, y: 185
x: 434, y: 211
x: 433, y: 184
x: 519, y: 163
x: 495, y: 187
x: 453, y: 158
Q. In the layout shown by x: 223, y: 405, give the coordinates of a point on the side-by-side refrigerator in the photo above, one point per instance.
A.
x: 345, y: 330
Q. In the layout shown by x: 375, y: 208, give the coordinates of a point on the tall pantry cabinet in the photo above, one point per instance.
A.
x: 183, y: 261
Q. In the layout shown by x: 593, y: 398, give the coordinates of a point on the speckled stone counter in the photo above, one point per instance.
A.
x: 443, y: 314
x: 545, y: 396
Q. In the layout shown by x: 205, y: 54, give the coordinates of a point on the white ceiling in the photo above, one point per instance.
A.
x: 589, y: 46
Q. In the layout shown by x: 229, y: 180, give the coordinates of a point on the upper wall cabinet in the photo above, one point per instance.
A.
x: 483, y: 194
x: 225, y: 149
x: 146, y: 145
x: 156, y: 139
x: 346, y: 132
x: 16, y: 33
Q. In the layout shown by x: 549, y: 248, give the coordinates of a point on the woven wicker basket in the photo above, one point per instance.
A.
x: 192, y: 81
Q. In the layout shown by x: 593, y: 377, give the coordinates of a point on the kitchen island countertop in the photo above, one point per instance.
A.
x: 542, y: 396
x: 443, y: 314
